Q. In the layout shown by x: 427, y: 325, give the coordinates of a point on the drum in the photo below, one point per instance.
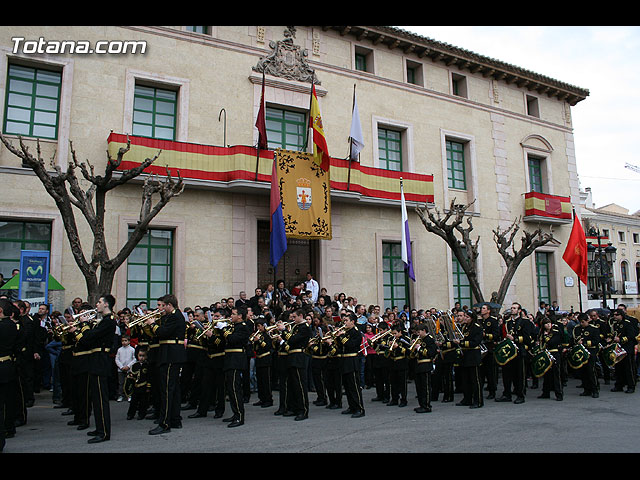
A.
x: 505, y: 351
x: 578, y: 356
x: 613, y: 353
x: 129, y: 385
x: 541, y: 362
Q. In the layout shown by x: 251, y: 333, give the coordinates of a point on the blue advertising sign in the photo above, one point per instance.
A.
x: 34, y: 276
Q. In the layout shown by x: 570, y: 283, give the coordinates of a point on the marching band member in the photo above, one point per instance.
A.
x: 491, y: 334
x: 263, y: 348
x: 398, y: 352
x: 625, y: 330
x: 589, y: 337
x: 351, y: 340
x: 519, y: 330
x: 235, y: 358
x: 212, y: 384
x: 424, y: 351
x: 471, y: 358
x: 171, y: 355
x: 98, y: 340
x: 550, y: 339
x: 295, y: 342
x: 8, y: 371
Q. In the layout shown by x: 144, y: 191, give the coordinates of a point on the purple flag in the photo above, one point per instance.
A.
x: 406, y: 238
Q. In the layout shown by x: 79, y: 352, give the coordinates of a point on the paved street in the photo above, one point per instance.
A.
x: 578, y: 424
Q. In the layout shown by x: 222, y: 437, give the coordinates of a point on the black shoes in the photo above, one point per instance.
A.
x: 196, y: 415
x: 358, y: 414
x: 519, y: 400
x: 503, y: 399
x: 235, y: 423
x: 158, y: 430
x: 300, y: 417
x: 422, y: 410
x: 98, y: 439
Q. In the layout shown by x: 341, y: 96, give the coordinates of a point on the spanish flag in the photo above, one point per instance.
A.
x: 320, y: 150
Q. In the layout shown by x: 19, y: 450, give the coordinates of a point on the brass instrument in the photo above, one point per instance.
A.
x: 374, y: 339
x: 431, y: 326
x: 272, y: 330
x: 78, y: 319
x: 141, y: 319
x: 414, y: 344
x: 453, y: 331
x: 214, y: 324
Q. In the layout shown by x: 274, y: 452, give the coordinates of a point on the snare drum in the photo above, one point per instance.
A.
x: 541, y: 363
x: 613, y: 353
x: 578, y: 356
x: 505, y: 351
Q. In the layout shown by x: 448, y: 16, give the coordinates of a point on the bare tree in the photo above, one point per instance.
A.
x: 455, y: 228
x: 66, y: 191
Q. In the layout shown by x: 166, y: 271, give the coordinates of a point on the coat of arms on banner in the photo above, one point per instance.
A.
x: 303, y: 197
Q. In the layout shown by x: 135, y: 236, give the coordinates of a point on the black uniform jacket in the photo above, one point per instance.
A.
x: 470, y: 344
x: 236, y: 337
x: 171, y: 338
x: 295, y: 343
x: 98, y: 341
x: 8, y: 345
x: 351, y: 343
x: 425, y: 354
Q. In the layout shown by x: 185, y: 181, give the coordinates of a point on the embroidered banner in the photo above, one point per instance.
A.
x: 305, y: 193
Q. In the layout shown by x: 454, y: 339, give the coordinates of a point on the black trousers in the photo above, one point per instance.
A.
x: 353, y: 392
x: 471, y: 385
x: 445, y: 371
x: 423, y: 389
x: 625, y: 370
x: 319, y: 381
x: 263, y: 379
x: 489, y: 373
x: 212, y: 391
x: 7, y: 408
x: 552, y: 381
x: 233, y: 382
x: 186, y: 383
x: 81, y: 404
x: 381, y: 380
x: 281, y: 372
x: 139, y: 402
x: 99, y: 388
x: 398, y: 380
x: 297, y: 388
x: 513, y: 377
x: 334, y: 386
x: 169, y: 393
x: 66, y: 383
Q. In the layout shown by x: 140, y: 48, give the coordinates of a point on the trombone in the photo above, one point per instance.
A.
x: 272, y: 330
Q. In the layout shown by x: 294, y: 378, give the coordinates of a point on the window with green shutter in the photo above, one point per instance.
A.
x: 150, y: 268
x: 285, y: 129
x: 154, y: 112
x: 535, y: 175
x: 197, y: 29
x: 394, y: 278
x: 456, y: 165
x: 461, y: 286
x: 390, y: 149
x: 16, y: 236
x: 543, y: 277
x: 32, y: 102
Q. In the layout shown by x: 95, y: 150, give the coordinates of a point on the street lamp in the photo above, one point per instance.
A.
x: 600, y: 258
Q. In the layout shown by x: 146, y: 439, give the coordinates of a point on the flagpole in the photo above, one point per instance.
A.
x: 259, y: 133
x: 309, y: 126
x: 350, y: 139
x: 579, y: 282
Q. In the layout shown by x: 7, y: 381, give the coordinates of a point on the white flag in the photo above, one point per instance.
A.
x: 357, y: 142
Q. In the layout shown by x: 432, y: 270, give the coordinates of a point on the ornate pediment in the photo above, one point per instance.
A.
x: 287, y: 60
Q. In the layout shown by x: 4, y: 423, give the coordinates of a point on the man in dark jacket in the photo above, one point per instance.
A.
x: 235, y: 359
x: 98, y: 341
x: 171, y: 355
x: 8, y: 373
x: 471, y: 358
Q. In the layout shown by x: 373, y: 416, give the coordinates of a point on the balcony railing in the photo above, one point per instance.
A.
x: 236, y: 167
x: 545, y: 208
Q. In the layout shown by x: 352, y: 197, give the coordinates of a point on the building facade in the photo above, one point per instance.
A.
x: 451, y: 123
x: 619, y: 229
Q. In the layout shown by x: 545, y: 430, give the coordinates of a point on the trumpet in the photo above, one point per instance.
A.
x: 414, y: 344
x: 82, y: 314
x: 139, y: 320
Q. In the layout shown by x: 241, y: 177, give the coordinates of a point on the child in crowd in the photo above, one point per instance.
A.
x: 139, y: 375
x: 125, y: 357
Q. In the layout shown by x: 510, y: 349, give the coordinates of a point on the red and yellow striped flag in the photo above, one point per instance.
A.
x: 320, y: 150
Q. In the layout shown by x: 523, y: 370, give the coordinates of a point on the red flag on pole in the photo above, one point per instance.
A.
x: 261, y: 123
x: 576, y: 252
